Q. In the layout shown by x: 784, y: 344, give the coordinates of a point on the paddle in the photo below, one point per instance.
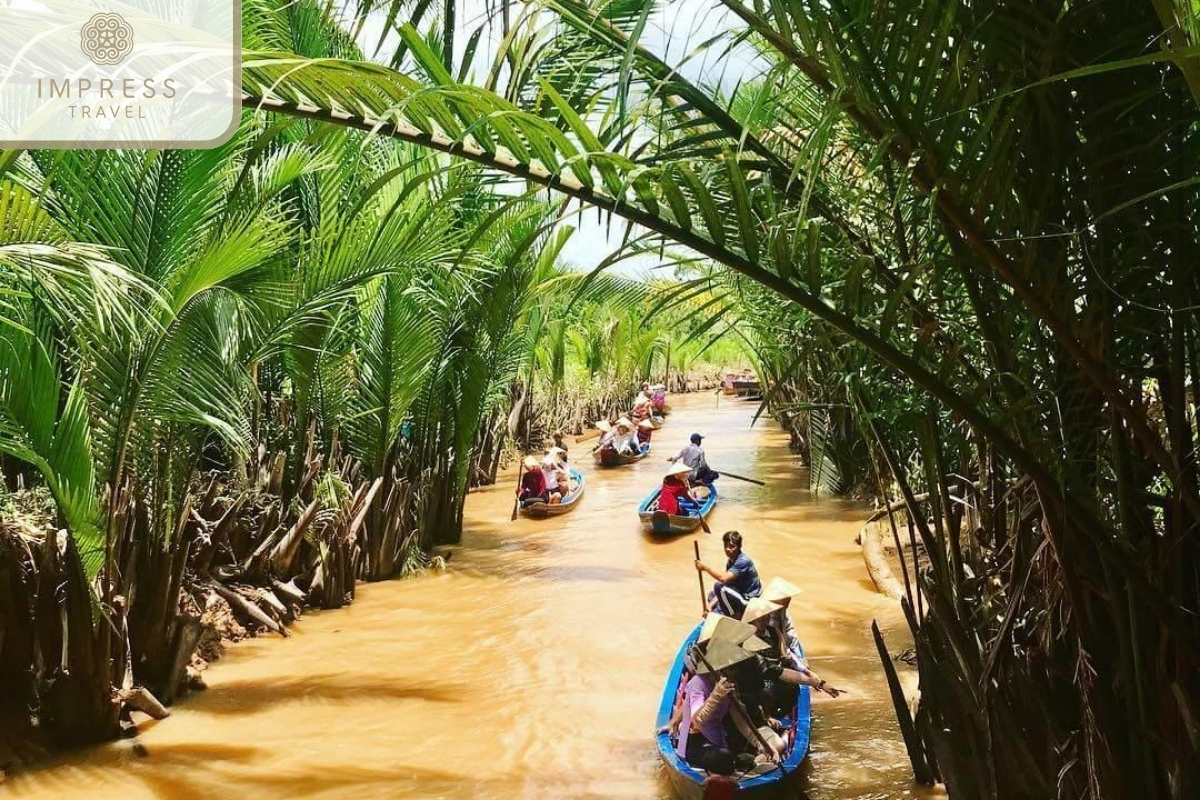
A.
x: 741, y: 478
x: 517, y: 499
x: 700, y: 577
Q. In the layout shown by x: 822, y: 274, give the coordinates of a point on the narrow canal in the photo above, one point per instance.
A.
x: 533, y: 666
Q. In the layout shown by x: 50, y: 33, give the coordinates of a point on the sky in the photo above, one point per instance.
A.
x: 673, y: 32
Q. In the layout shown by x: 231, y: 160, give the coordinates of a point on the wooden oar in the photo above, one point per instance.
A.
x: 741, y: 478
x: 592, y: 434
x: 517, y: 499
x: 700, y: 577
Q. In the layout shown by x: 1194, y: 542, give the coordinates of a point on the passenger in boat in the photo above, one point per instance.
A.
x: 676, y: 497
x: 708, y: 699
x: 607, y: 434
x: 658, y: 397
x: 625, y: 440
x: 768, y: 685
x: 645, y: 429
x: 560, y: 445
x: 764, y: 686
x: 533, y: 483
x: 737, y: 584
x: 643, y: 397
x: 558, y: 480
x: 783, y: 634
x: 693, y: 456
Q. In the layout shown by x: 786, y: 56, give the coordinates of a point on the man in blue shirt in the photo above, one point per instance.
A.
x: 737, y: 584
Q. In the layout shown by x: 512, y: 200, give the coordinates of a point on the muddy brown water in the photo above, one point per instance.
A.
x: 533, y: 666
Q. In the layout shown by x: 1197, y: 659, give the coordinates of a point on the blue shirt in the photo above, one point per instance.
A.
x: 745, y: 576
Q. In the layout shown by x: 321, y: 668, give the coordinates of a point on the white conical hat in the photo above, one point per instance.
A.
x: 679, y: 468
x: 779, y: 590
x: 758, y: 608
x: 604, y: 425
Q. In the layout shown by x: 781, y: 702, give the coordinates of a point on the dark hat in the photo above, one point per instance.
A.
x: 696, y: 438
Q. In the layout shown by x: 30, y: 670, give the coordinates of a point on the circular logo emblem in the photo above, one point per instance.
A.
x: 106, y: 39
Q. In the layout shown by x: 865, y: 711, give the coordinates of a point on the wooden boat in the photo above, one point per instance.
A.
x: 611, y: 458
x: 747, y: 387
x: 541, y: 510
x: 763, y: 781
x: 661, y: 523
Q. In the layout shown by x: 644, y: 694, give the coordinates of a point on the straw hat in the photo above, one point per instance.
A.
x: 624, y: 422
x: 555, y: 451
x: 646, y: 424
x: 678, y: 468
x: 758, y: 608
x: 531, y: 462
x: 779, y: 590
x: 604, y: 425
x: 755, y: 645
x: 721, y: 654
x: 719, y: 626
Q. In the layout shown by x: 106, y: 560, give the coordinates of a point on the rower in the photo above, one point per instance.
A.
x: 693, y: 456
x: 737, y: 584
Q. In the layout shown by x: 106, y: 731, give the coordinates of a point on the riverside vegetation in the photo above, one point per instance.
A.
x: 959, y: 236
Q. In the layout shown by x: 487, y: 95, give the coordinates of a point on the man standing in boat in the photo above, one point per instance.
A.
x: 738, y: 584
x: 693, y: 456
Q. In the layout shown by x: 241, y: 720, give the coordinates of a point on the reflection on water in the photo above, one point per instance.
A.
x: 531, y: 668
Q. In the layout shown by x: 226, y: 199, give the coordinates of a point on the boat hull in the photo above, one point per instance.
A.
x: 659, y: 523
x: 543, y: 510
x: 688, y: 782
x: 611, y: 458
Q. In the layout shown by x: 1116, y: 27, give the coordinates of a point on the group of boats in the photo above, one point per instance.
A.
x: 687, y: 781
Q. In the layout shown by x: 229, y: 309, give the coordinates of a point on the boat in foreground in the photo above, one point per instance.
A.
x: 762, y: 781
x: 607, y: 457
x: 661, y: 523
x: 540, y: 510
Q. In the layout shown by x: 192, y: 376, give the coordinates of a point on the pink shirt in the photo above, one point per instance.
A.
x: 697, y: 691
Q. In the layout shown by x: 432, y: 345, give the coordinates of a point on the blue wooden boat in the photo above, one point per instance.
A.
x: 661, y: 523
x: 540, y: 510
x: 761, y: 782
x: 607, y: 457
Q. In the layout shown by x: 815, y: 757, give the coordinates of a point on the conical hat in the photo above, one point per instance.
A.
x: 531, y: 462
x: 555, y: 451
x: 755, y: 645
x: 604, y: 425
x: 758, y: 608
x: 645, y: 424
x: 717, y: 626
x: 720, y: 654
x: 624, y: 421
x: 779, y: 590
x: 679, y: 468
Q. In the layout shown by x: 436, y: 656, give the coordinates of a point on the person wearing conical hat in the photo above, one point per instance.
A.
x: 557, y: 477
x: 676, y: 497
x: 625, y: 441
x: 781, y: 633
x: 645, y: 429
x: 533, y: 483
x: 709, y: 697
x: 607, y: 434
